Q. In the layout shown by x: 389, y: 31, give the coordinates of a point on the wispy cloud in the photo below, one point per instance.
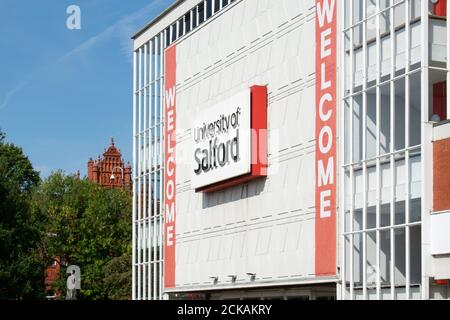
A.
x: 123, y: 29
x: 12, y: 92
x: 87, y: 45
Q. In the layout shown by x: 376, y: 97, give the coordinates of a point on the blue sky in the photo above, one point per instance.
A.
x: 64, y: 93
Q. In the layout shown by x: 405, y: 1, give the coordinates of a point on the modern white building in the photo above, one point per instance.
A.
x: 287, y: 149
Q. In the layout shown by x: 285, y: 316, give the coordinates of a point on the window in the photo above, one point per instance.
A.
x: 187, y: 22
x: 209, y: 4
x: 174, y: 32
x: 194, y: 18
x: 217, y: 4
x: 167, y: 32
x: 201, y: 13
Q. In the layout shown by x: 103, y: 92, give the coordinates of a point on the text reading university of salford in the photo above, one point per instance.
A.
x: 218, y: 153
x: 221, y: 137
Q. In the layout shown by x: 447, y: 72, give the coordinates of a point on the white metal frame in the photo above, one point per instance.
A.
x: 426, y: 185
x: 148, y: 171
x: 348, y: 169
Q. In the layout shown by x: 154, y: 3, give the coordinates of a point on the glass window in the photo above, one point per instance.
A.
x: 187, y: 22
x: 201, y: 12
x: 174, y: 32
x: 217, y: 4
x: 194, y: 18
x: 181, y: 26
x: 209, y: 8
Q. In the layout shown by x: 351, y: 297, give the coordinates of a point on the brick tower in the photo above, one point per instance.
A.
x: 110, y: 170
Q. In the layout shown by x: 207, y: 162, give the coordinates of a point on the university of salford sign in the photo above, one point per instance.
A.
x: 229, y: 141
x: 222, y: 141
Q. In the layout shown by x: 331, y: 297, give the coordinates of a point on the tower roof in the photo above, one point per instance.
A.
x: 112, y: 150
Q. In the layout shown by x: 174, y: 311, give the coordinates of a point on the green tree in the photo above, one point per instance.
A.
x: 117, y: 279
x: 89, y: 226
x: 21, y: 265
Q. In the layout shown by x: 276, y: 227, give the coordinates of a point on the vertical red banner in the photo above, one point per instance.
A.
x: 440, y: 8
x: 170, y: 166
x: 325, y: 226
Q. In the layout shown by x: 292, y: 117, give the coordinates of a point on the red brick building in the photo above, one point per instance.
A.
x: 110, y: 170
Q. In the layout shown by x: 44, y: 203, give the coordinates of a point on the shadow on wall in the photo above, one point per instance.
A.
x: 236, y: 193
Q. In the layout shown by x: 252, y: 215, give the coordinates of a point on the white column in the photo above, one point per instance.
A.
x: 427, y: 160
x: 378, y: 142
x: 197, y: 16
x: 155, y: 130
x: 364, y: 152
x: 352, y: 201
x: 139, y: 293
x: 392, y: 150
x: 144, y: 178
x: 161, y: 170
x: 133, y: 276
x: 341, y: 288
x: 407, y: 145
x: 152, y: 175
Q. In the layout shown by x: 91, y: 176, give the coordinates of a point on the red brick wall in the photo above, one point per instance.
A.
x: 52, y: 274
x: 441, y: 175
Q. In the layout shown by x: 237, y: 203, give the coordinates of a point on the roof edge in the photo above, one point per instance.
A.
x: 157, y: 18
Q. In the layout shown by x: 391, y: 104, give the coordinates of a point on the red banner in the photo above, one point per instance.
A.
x: 325, y: 227
x: 170, y: 167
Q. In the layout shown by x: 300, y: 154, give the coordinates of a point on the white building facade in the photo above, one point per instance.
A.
x: 288, y: 149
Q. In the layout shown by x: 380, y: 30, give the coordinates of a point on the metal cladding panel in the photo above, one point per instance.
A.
x: 267, y: 226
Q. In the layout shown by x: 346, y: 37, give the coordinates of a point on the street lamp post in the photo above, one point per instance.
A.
x: 112, y: 173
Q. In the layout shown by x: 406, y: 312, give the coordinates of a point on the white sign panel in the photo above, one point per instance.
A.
x: 221, y: 141
x: 440, y: 236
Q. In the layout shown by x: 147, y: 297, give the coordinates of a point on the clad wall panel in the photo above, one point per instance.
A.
x: 266, y: 226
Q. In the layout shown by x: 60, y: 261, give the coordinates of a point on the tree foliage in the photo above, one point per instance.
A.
x: 117, y: 280
x: 89, y: 226
x: 21, y: 265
